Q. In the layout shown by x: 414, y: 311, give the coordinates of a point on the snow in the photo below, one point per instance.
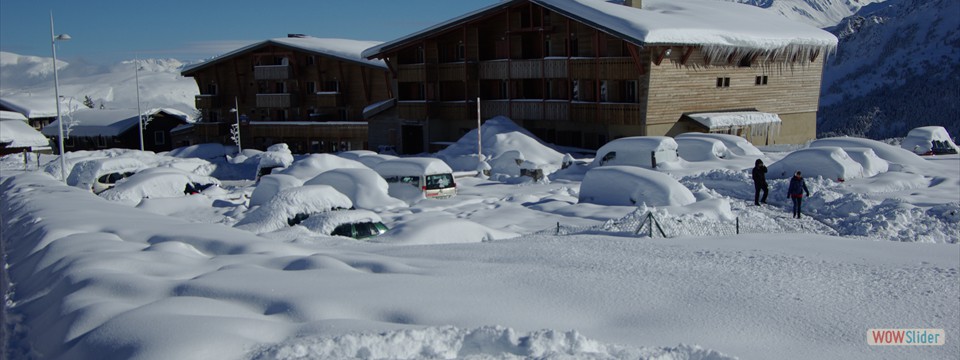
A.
x: 327, y: 222
x: 500, y: 135
x: 919, y: 140
x: 899, y: 159
x: 98, y: 122
x: 701, y: 149
x: 630, y: 185
x: 829, y: 162
x: 636, y: 151
x: 412, y: 166
x: 307, y: 199
x: 202, y: 151
x: 365, y: 188
x: 719, y: 27
x: 735, y: 144
x: 759, y: 122
x: 85, y: 173
x: 270, y: 185
x: 15, y: 132
x: 277, y: 155
x: 314, y: 164
x: 161, y: 182
x: 170, y: 278
x: 345, y: 49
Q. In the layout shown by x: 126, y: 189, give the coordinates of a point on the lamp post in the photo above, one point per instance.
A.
x: 236, y: 133
x: 136, y: 63
x: 56, y: 91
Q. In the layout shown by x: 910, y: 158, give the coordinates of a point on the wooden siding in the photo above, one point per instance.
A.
x: 272, y: 72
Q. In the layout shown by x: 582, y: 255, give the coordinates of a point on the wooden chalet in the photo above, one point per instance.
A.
x: 97, y: 129
x: 307, y: 92
x: 583, y: 72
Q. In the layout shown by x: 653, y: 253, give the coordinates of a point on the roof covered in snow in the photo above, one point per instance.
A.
x: 15, y: 132
x: 710, y: 24
x: 721, y: 120
x: 343, y: 49
x: 98, y: 122
x: 35, y: 107
x: 412, y: 166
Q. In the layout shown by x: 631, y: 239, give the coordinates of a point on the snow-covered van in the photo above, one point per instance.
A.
x: 410, y: 178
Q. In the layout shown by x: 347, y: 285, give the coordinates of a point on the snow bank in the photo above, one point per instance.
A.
x: 365, y: 188
x: 202, y: 151
x: 307, y: 199
x: 872, y: 164
x: 897, y: 157
x: 500, y: 135
x: 920, y: 140
x: 155, y: 183
x: 270, y: 185
x: 441, y: 230
x: 630, y: 185
x: 829, y: 162
x: 489, y: 342
x: 314, y: 164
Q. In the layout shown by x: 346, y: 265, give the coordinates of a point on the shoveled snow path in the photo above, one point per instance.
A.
x: 771, y: 218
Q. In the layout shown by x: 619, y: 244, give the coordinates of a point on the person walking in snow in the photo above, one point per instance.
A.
x: 795, y: 192
x: 760, y: 183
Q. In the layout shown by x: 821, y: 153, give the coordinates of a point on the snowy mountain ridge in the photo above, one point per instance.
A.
x: 896, y: 68
x: 819, y: 13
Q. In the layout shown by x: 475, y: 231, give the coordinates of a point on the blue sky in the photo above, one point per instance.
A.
x: 108, y: 31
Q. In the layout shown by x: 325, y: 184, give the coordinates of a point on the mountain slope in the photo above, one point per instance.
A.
x: 896, y: 68
x: 819, y: 13
x: 27, y: 79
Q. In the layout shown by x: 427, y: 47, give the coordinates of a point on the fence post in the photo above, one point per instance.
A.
x: 558, y: 228
x: 738, y: 225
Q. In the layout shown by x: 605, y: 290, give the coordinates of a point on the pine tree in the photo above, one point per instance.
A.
x: 88, y: 102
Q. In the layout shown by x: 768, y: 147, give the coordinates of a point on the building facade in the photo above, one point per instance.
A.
x: 307, y: 92
x: 95, y: 129
x: 581, y: 73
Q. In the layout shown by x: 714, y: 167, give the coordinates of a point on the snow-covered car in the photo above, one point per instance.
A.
x: 643, y: 151
x: 631, y: 186
x: 866, y: 157
x: 735, y: 145
x: 291, y: 206
x: 357, y: 224
x: 98, y: 175
x: 270, y: 185
x: 163, y: 182
x: 929, y: 140
x: 366, y: 188
x: 276, y: 156
x: 829, y: 162
x: 314, y: 164
x: 895, y: 156
x: 701, y: 149
x: 415, y: 178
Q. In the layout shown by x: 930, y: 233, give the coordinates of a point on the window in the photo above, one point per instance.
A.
x: 311, y: 87
x: 630, y: 91
x: 439, y: 181
x: 723, y: 82
x: 159, y: 138
x: 211, y: 89
x: 331, y: 86
x: 761, y: 80
x: 101, y: 141
x: 504, y: 89
x: 461, y: 51
x: 575, y: 90
x: 574, y: 45
x: 311, y: 60
x: 281, y: 88
x: 603, y: 91
x: 547, y: 48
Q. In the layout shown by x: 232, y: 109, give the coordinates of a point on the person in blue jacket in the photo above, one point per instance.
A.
x: 795, y: 192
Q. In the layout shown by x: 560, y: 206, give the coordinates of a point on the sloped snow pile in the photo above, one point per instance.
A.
x: 892, y: 219
x: 488, y: 342
x: 277, y: 155
x: 202, y: 151
x: 630, y: 185
x: 499, y: 135
x: 270, y: 185
x: 288, y: 203
x: 366, y: 188
x: 441, y: 230
x: 314, y: 164
x: 828, y: 161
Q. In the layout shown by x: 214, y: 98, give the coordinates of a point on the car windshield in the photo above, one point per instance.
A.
x: 439, y: 181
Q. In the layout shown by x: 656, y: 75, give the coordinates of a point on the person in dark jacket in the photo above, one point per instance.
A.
x: 795, y: 192
x: 760, y: 183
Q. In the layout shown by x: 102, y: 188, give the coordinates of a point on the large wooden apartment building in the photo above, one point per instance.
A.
x: 307, y: 92
x: 583, y: 72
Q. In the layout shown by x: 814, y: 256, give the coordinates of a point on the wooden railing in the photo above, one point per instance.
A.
x: 271, y: 72
x: 274, y: 101
x: 621, y: 68
x: 606, y: 113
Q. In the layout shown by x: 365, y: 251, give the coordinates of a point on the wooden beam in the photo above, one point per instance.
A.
x: 635, y: 54
x: 687, y: 51
x: 366, y: 87
x: 662, y: 54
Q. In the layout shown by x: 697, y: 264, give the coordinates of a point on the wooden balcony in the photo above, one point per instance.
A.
x: 460, y: 71
x: 527, y: 109
x: 274, y: 101
x: 619, y: 68
x: 412, y: 109
x: 329, y: 99
x: 207, y: 101
x: 272, y: 72
x: 412, y: 73
x: 607, y: 113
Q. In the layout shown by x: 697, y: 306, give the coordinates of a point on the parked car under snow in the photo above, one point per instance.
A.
x: 98, y: 175
x: 631, y: 186
x: 414, y: 178
x: 366, y: 188
x: 828, y: 162
x: 643, y: 151
x: 292, y: 206
x: 163, y: 182
x: 701, y: 149
x: 357, y: 224
x: 735, y: 145
x: 929, y: 140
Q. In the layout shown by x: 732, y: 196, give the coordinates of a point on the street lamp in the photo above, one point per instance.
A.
x: 235, y: 132
x: 56, y: 91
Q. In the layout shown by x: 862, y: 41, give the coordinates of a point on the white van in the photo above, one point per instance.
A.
x: 417, y: 177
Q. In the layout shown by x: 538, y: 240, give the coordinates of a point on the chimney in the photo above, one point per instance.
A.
x: 633, y: 3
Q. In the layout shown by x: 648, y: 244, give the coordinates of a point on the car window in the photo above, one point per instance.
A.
x: 439, y: 181
x: 298, y: 218
x: 343, y: 230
